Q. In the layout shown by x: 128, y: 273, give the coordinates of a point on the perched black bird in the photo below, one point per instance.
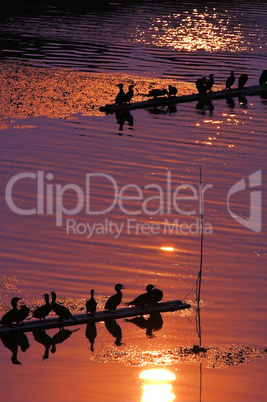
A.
x: 209, y: 83
x: 121, y: 95
x: 12, y: 315
x: 23, y: 313
x: 263, y: 77
x: 143, y: 299
x: 230, y: 81
x: 155, y: 296
x: 172, y: 91
x: 128, y: 96
x: 42, y: 311
x: 157, y: 92
x: 62, y: 311
x: 91, y: 303
x: 242, y: 80
x: 113, y: 302
x: 200, y: 84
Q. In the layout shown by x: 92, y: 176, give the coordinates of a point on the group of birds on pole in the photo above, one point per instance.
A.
x: 203, y: 86
x: 18, y: 315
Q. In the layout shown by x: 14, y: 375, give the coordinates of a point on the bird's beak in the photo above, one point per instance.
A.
x: 123, y: 287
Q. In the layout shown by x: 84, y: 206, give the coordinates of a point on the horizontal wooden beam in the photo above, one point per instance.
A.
x: 165, y: 101
x: 85, y: 318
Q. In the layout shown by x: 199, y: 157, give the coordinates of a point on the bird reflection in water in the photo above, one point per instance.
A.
x: 243, y: 102
x: 12, y: 342
x: 152, y: 324
x: 91, y: 333
x: 230, y: 102
x: 115, y: 330
x: 42, y: 337
x: 124, y: 117
x: 157, y: 385
x: 61, y: 336
x: 205, y: 105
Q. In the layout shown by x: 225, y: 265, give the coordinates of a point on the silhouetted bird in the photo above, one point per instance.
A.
x: 200, y: 84
x: 22, y: 313
x: 91, y: 303
x: 155, y: 296
x: 113, y: 302
x: 172, y: 91
x: 209, y: 83
x: 42, y: 311
x: 263, y: 77
x: 128, y: 96
x: 242, y: 80
x: 143, y: 299
x: 230, y: 81
x: 62, y: 311
x: 121, y: 95
x: 12, y: 315
x: 157, y: 92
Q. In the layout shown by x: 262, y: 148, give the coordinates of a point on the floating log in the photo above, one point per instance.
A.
x: 165, y: 101
x: 84, y: 318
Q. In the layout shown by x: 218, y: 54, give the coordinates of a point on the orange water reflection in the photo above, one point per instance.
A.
x: 156, y: 386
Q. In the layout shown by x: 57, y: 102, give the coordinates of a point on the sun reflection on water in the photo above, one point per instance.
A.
x: 156, y: 386
x: 209, y: 31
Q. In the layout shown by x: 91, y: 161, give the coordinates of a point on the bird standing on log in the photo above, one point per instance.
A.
x: 157, y: 92
x: 209, y: 83
x: 200, y: 84
x: 172, y: 91
x: 42, y: 311
x: 12, y: 315
x: 263, y: 78
x: 143, y: 299
x: 155, y: 296
x: 23, y: 313
x: 91, y: 303
x: 128, y: 96
x: 62, y: 311
x: 230, y: 81
x: 113, y: 302
x: 242, y: 80
x: 121, y: 95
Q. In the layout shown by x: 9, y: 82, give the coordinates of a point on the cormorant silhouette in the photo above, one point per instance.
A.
x: 209, y: 83
x: 242, y: 80
x: 200, y: 84
x: 143, y: 299
x: 172, y: 91
x: 230, y: 81
x: 91, y: 303
x: 128, y: 96
x: 43, y: 311
x: 22, y: 313
x: 12, y: 315
x: 62, y: 311
x: 263, y: 78
x: 157, y: 92
x: 113, y: 302
x: 155, y: 296
x: 121, y: 95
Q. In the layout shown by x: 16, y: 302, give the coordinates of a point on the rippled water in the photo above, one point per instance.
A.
x: 50, y: 122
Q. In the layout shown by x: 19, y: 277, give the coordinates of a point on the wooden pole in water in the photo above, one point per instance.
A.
x: 201, y: 257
